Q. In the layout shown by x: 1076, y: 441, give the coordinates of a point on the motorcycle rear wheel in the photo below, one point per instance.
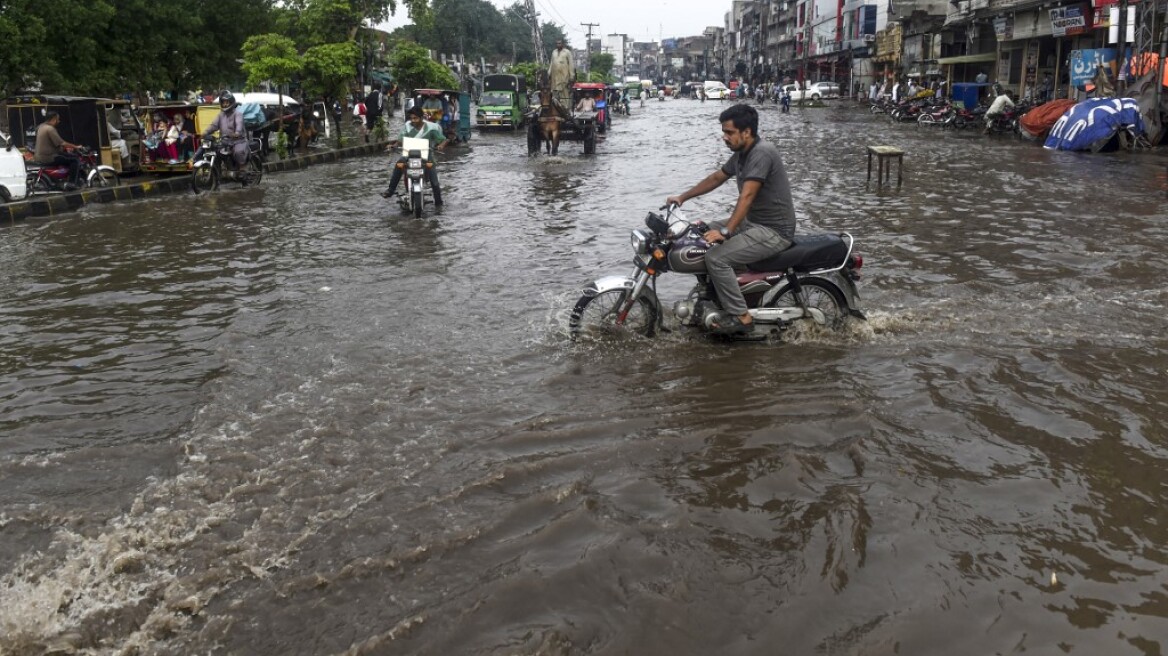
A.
x: 595, y: 316
x: 820, y: 294
x: 255, y: 170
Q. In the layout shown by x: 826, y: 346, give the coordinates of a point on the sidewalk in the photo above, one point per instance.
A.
x: 61, y: 203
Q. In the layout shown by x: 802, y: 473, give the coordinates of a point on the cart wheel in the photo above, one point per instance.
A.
x: 589, y: 140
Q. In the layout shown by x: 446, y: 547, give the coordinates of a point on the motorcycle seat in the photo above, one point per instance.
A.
x: 807, y: 253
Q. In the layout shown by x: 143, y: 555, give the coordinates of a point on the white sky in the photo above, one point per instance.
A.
x: 642, y: 20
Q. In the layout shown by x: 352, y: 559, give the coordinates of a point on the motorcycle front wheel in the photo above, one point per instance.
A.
x: 416, y: 203
x: 820, y: 294
x: 596, y: 315
x: 204, y: 178
x: 104, y: 179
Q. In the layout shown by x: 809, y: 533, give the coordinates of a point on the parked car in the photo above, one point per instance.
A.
x: 13, y: 177
x: 816, y: 91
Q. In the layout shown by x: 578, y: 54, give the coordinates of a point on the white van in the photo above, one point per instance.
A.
x: 13, y: 178
x: 715, y: 90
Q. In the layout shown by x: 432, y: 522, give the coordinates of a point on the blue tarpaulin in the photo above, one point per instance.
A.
x: 1092, y: 123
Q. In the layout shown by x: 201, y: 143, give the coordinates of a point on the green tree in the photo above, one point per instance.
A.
x: 24, y: 46
x: 272, y: 57
x: 328, y: 69
x: 530, y: 72
x: 601, y: 63
x: 412, y: 67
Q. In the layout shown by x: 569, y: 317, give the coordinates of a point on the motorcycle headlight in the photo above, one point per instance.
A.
x: 415, y: 163
x: 639, y: 240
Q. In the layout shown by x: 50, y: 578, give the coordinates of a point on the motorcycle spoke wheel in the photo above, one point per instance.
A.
x: 595, y: 316
x: 105, y: 179
x: 204, y: 179
x: 255, y: 170
x: 820, y: 295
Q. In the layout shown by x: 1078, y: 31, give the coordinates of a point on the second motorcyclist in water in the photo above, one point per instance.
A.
x: 763, y: 221
x: 229, y: 125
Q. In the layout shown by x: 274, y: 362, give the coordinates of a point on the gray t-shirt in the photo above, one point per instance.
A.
x: 772, y: 206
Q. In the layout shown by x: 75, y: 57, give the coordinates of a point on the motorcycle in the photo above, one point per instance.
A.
x: 207, y: 170
x: 55, y: 177
x: 416, y: 153
x: 812, y: 281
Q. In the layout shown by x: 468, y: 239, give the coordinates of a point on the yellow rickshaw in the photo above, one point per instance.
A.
x: 159, y: 157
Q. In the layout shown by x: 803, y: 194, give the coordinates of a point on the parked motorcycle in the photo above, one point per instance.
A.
x: 55, y: 177
x: 209, y: 162
x: 812, y: 281
x: 416, y: 153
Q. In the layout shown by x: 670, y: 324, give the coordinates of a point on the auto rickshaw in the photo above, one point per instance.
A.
x: 596, y: 91
x: 84, y: 121
x: 155, y: 153
x: 440, y: 106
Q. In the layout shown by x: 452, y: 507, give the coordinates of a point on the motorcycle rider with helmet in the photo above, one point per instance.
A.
x: 763, y: 221
x: 229, y: 124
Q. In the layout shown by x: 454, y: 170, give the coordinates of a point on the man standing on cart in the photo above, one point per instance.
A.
x: 562, y: 73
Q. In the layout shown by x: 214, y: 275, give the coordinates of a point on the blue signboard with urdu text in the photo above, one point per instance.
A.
x: 1084, y: 63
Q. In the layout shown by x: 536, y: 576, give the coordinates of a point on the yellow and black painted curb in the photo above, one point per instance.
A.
x: 55, y: 204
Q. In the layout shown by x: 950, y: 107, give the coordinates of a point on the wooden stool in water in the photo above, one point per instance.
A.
x: 884, y: 156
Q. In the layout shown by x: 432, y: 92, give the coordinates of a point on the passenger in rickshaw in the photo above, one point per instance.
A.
x: 433, y: 106
x: 586, y: 103
x: 156, y: 129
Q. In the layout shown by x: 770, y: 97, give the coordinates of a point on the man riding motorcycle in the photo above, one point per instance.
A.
x: 997, y: 108
x: 229, y: 125
x: 763, y: 221
x: 419, y: 128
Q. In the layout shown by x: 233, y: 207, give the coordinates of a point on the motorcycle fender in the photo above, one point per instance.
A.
x: 608, y: 283
x: 835, y: 279
x: 200, y: 164
x: 101, y: 169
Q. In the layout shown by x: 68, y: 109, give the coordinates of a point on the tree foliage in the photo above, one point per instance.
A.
x: 328, y: 69
x: 270, y: 57
x: 601, y: 63
x: 412, y: 67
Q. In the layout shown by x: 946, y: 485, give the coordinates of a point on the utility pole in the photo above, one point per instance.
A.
x: 588, y: 48
x: 536, y: 39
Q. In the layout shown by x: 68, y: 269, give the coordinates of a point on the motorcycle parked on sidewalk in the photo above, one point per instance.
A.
x: 43, y: 178
x: 209, y: 161
x: 812, y: 281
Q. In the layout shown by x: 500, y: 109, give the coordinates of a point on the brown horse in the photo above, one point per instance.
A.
x: 549, y: 121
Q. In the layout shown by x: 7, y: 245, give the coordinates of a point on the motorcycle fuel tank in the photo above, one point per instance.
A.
x: 688, y: 255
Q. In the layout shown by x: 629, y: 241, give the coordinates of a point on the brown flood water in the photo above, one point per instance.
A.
x: 289, y: 420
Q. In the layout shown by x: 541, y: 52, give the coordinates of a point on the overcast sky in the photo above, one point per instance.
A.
x: 642, y: 20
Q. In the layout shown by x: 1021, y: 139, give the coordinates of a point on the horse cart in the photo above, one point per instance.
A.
x: 549, y: 123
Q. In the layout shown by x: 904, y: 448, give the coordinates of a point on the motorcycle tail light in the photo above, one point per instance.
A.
x: 857, y: 261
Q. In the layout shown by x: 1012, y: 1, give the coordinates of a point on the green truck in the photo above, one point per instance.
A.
x: 503, y: 104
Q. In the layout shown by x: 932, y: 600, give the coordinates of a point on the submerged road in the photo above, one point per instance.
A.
x: 291, y: 420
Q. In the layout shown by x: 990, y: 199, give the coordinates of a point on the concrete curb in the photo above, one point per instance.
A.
x: 55, y: 204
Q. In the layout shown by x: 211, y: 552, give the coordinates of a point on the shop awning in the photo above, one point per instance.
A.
x: 969, y: 59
